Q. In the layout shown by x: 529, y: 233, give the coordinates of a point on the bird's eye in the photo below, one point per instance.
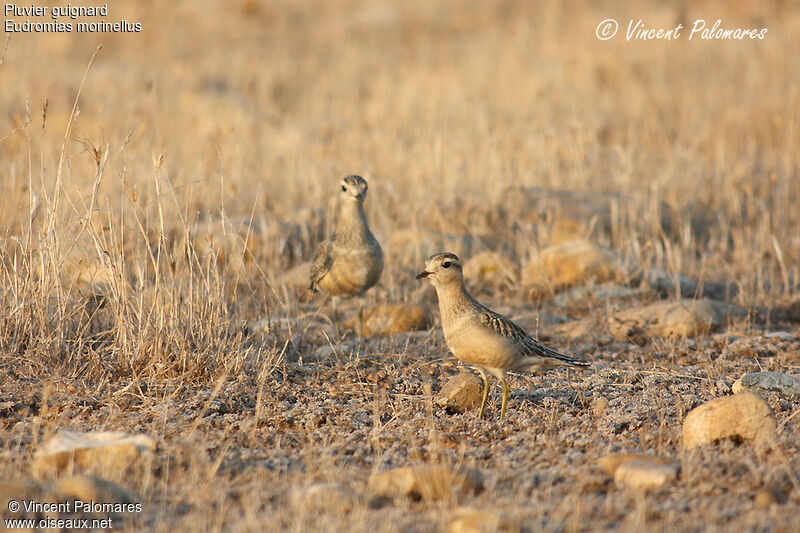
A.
x: 446, y: 264
x: 344, y: 187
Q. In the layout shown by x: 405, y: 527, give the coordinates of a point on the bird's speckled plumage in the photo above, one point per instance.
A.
x: 351, y: 261
x: 479, y: 336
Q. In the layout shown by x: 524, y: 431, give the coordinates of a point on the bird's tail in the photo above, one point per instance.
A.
x: 540, y: 357
x: 566, y: 359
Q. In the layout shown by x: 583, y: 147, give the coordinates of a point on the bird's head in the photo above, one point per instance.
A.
x: 442, y: 269
x: 353, y: 189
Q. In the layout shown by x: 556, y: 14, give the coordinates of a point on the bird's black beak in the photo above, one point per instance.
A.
x: 423, y: 274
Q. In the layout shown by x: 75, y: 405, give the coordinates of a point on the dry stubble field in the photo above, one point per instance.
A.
x: 198, y: 169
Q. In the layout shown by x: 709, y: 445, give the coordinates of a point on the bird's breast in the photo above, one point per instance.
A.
x: 352, y: 272
x: 475, y: 344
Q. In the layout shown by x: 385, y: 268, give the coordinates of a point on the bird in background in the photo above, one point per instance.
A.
x: 351, y: 261
x: 482, y: 338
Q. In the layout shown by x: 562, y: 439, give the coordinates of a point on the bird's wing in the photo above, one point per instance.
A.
x: 528, y: 345
x: 321, y: 265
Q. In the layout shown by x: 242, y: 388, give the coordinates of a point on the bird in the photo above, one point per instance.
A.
x: 482, y: 338
x: 350, y: 262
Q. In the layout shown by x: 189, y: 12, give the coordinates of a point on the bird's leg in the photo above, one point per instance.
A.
x: 335, y: 303
x: 361, y: 300
x: 360, y: 322
x: 505, y: 397
x: 485, y: 392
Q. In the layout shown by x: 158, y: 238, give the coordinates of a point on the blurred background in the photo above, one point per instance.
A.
x: 255, y: 110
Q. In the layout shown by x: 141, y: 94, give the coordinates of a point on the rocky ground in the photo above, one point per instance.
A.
x: 313, y: 441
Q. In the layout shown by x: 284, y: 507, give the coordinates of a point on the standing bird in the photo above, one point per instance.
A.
x: 351, y: 261
x: 482, y: 338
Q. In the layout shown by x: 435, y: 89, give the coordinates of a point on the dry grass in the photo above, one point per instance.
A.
x: 148, y: 212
